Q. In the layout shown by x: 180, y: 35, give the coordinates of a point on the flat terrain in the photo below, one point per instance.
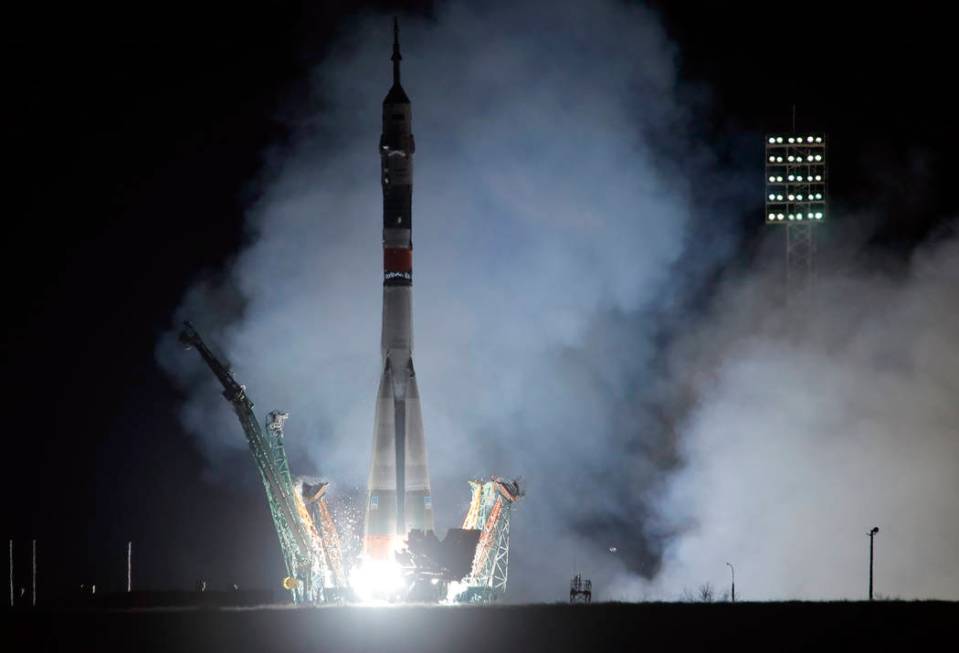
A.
x: 886, y: 625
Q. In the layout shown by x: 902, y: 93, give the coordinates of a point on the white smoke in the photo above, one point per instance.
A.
x: 816, y: 421
x: 552, y: 260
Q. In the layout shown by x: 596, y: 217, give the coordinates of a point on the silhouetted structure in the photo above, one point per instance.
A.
x: 580, y: 590
x: 872, y: 536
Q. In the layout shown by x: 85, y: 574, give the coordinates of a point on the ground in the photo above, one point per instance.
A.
x: 884, y: 625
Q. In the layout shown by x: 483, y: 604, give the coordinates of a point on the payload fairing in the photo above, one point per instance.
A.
x: 399, y: 484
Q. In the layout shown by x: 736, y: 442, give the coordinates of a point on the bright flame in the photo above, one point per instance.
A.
x: 377, y: 580
x: 454, y: 589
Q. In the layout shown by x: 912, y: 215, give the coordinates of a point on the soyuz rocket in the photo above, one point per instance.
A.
x: 399, y: 484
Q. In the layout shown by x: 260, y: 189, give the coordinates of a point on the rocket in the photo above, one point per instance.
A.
x: 399, y: 497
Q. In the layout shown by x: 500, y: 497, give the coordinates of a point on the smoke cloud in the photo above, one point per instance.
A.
x: 814, y: 422
x: 556, y: 169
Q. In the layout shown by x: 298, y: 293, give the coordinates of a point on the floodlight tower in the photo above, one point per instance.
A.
x: 796, y: 198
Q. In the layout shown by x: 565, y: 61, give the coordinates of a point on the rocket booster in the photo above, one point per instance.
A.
x: 399, y: 484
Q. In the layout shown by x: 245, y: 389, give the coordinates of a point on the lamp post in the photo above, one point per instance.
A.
x: 872, y: 536
x: 732, y: 570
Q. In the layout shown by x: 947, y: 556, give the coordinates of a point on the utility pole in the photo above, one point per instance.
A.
x: 34, y: 588
x: 872, y: 536
x: 733, y: 571
x: 11, y: 573
x: 129, y: 566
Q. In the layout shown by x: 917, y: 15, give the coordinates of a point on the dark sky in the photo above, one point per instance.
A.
x: 133, y: 143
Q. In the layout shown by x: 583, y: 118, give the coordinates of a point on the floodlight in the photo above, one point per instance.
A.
x: 779, y: 179
x: 799, y: 197
x: 818, y: 215
x: 771, y: 197
x: 792, y: 140
x: 772, y: 180
x: 779, y: 139
x: 792, y: 197
x: 819, y: 139
x: 809, y: 139
x: 772, y: 139
x: 819, y: 157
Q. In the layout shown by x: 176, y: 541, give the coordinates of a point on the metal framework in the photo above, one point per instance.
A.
x: 580, y: 590
x: 308, y: 571
x: 490, y: 510
x: 796, y: 197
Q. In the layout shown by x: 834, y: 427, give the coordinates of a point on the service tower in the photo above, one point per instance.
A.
x: 399, y: 483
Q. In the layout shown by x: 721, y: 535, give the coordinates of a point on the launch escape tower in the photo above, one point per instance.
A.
x: 796, y: 198
x: 311, y: 555
x: 398, y: 497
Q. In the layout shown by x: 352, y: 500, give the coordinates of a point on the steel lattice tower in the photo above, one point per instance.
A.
x: 796, y: 198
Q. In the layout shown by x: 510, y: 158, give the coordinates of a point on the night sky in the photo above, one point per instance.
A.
x: 133, y: 144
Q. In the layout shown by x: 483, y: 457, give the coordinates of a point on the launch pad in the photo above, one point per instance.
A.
x: 401, y: 558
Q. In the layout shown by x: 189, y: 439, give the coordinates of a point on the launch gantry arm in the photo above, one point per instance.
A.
x: 299, y: 548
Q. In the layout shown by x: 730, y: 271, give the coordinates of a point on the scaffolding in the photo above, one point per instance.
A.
x: 490, y: 509
x: 580, y: 590
x: 309, y: 575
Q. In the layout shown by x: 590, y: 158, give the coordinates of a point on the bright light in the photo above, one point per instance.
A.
x: 772, y: 139
x: 779, y: 179
x: 772, y: 159
x: 809, y: 158
x: 799, y: 216
x: 779, y: 217
x: 791, y: 157
x: 818, y: 196
x: 376, y: 580
x: 792, y: 217
x: 772, y: 216
x: 799, y: 197
x: 771, y: 197
x: 791, y: 177
x: 792, y: 197
x: 799, y: 178
x: 779, y: 159
x: 772, y: 179
x: 818, y: 157
x: 779, y: 197
x: 819, y: 139
x: 792, y: 140
x: 779, y: 140
x: 809, y: 139
x: 818, y: 177
x: 819, y: 216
